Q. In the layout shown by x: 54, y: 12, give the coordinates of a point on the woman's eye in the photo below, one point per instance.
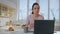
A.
x: 38, y: 8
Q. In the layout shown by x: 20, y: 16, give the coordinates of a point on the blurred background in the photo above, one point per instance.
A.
x: 18, y: 10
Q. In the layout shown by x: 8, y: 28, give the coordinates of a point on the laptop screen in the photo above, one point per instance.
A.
x: 44, y: 27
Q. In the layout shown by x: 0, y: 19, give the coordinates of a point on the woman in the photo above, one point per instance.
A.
x: 34, y: 16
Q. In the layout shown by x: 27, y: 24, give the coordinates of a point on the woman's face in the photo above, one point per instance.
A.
x: 36, y: 9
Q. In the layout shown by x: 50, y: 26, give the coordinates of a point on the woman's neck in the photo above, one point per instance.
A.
x: 35, y: 16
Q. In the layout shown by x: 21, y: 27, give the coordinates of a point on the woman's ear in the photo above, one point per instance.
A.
x: 32, y: 13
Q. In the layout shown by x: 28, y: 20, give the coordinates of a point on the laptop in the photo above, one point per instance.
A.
x: 44, y: 27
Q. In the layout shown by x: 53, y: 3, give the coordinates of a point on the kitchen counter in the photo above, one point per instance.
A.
x: 18, y: 30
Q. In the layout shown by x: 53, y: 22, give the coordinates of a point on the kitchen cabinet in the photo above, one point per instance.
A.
x: 6, y: 11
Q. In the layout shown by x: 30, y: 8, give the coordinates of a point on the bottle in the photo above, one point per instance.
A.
x: 54, y: 19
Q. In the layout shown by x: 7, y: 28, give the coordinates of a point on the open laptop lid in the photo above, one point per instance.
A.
x: 43, y: 26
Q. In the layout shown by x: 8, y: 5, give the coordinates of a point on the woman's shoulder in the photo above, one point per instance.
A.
x: 29, y: 16
x: 41, y: 15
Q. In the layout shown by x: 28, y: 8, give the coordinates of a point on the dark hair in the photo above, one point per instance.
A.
x: 33, y: 6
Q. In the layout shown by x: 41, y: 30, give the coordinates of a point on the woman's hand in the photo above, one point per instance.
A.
x: 31, y: 25
x: 23, y: 25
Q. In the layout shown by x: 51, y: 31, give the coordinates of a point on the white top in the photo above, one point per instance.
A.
x: 30, y: 19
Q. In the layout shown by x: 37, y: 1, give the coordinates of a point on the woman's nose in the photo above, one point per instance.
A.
x: 37, y: 9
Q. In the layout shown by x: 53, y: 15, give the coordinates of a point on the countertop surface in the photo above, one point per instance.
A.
x: 21, y: 31
x: 18, y: 30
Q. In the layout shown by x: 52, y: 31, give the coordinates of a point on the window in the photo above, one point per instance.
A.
x: 44, y: 8
x: 54, y: 7
x: 23, y: 9
x: 30, y: 5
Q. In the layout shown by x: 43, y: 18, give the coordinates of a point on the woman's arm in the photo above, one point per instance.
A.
x: 27, y: 21
x: 30, y: 25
